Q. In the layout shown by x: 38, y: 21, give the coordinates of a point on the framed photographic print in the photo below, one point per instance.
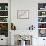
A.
x: 23, y: 14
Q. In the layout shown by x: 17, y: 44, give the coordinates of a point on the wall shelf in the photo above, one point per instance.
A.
x: 41, y: 22
x: 3, y: 16
x: 41, y: 28
x: 3, y: 10
x: 42, y: 19
x: 41, y: 10
x: 42, y: 16
x: 4, y: 19
x: 3, y: 22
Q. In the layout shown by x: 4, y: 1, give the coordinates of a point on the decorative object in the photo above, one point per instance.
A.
x: 3, y: 19
x: 42, y: 19
x: 31, y: 27
x: 23, y: 14
x: 13, y: 27
x: 42, y: 32
x: 23, y: 40
x: 6, y: 7
x: 3, y: 13
x: 0, y: 7
x: 42, y: 6
x: 42, y: 25
x: 22, y: 43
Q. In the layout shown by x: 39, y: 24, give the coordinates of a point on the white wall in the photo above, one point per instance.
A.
x: 3, y: 1
x: 32, y: 6
x: 23, y: 24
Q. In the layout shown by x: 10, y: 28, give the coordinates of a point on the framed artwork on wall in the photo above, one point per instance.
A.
x: 22, y: 14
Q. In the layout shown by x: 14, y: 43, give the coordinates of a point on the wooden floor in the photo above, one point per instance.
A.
x: 3, y: 45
